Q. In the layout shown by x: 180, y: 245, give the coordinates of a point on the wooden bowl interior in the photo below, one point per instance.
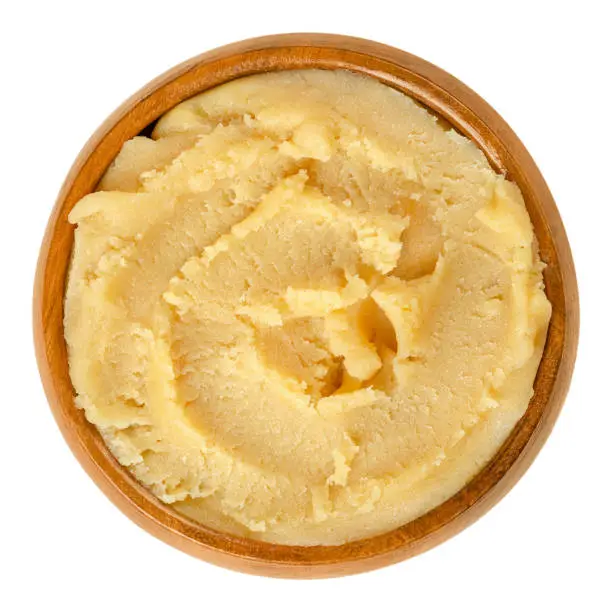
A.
x: 467, y: 113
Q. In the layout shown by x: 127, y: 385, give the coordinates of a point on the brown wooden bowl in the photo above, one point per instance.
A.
x: 470, y: 115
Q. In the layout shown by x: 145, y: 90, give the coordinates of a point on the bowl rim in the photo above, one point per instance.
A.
x: 469, y: 114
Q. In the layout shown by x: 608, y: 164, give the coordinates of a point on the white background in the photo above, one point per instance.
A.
x: 544, y: 65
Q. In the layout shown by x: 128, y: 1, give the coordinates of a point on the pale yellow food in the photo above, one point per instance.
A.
x: 305, y: 311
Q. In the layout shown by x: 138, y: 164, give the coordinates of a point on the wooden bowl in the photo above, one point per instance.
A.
x: 470, y: 115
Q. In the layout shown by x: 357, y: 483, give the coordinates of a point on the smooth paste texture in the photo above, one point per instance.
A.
x: 305, y: 311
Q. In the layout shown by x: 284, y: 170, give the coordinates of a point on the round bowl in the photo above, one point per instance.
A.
x: 468, y: 114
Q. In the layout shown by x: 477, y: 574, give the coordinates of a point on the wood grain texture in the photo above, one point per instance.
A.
x: 469, y: 114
